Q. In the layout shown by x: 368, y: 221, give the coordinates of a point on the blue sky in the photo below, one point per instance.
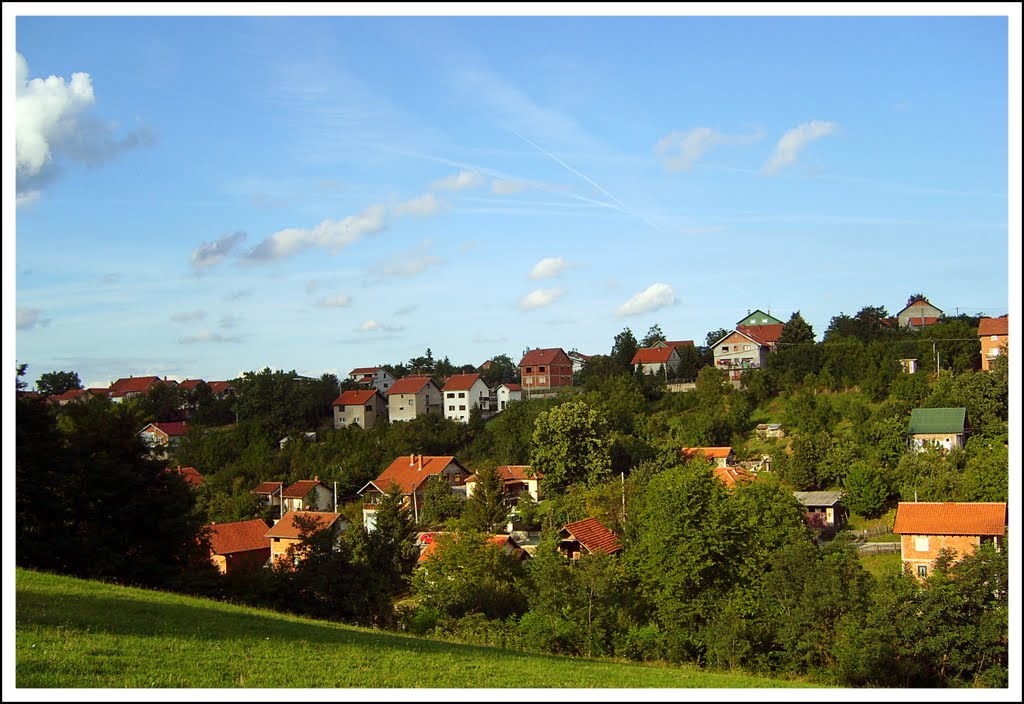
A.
x: 202, y: 196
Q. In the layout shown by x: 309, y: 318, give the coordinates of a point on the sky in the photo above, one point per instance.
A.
x: 200, y: 196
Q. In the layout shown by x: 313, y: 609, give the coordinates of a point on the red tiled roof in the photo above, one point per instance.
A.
x: 592, y: 535
x: 512, y: 386
x: 732, y: 476
x: 652, y: 355
x: 267, y: 488
x: 364, y: 370
x: 994, y: 326
x: 189, y: 383
x: 927, y: 518
x: 460, y: 382
x: 409, y: 385
x: 544, y: 356
x: 689, y: 453
x: 762, y: 334
x: 133, y: 384
x: 354, y: 398
x: 287, y: 528
x: 430, y: 545
x: 173, y: 429
x: 219, y: 387
x: 300, y: 488
x: 191, y: 475
x: 226, y: 538
x: 679, y: 343
x: 409, y: 471
x: 70, y: 395
x: 510, y: 472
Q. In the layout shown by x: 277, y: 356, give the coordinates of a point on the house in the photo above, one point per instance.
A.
x: 239, y: 545
x: 673, y: 343
x: 288, y: 532
x: 937, y: 427
x: 995, y: 339
x: 516, y: 479
x: 767, y: 431
x: 925, y: 528
x: 732, y: 477
x: 427, y: 544
x: 307, y: 495
x: 133, y: 387
x: 413, y: 396
x: 76, y: 395
x: 758, y: 317
x: 191, y: 475
x: 746, y: 347
x: 271, y: 491
x: 362, y: 408
x: 720, y: 456
x: 909, y: 366
x: 545, y: 370
x: 656, y: 360
x: 463, y: 392
x: 506, y: 393
x: 159, y: 435
x: 221, y: 389
x: 375, y: 377
x: 919, y: 313
x: 824, y: 509
x: 308, y: 436
x: 410, y: 474
x: 587, y: 537
x: 578, y: 359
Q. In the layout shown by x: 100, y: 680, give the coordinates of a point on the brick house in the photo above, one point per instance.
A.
x: 823, y: 509
x: 545, y: 370
x: 359, y: 407
x: 413, y: 396
x: 994, y: 334
x: 133, y: 387
x: 373, y: 377
x: 410, y: 473
x: 243, y: 544
x: 925, y: 528
x: 516, y: 479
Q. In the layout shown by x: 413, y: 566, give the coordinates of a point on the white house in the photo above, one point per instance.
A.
x: 508, y: 392
x: 462, y: 392
x: 375, y: 377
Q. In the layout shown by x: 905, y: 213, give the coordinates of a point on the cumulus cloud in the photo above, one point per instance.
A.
x: 420, y: 206
x: 654, y: 297
x: 212, y: 253
x: 793, y: 142
x: 52, y: 125
x: 208, y: 336
x: 460, y: 181
x: 335, y: 302
x: 188, y: 316
x: 540, y: 298
x: 28, y: 318
x: 548, y: 268
x: 681, y: 150
x: 372, y: 325
x: 333, y: 235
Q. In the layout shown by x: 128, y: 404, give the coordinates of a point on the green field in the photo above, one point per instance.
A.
x: 76, y: 633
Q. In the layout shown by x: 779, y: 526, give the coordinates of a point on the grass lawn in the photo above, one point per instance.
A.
x: 882, y: 564
x: 74, y: 633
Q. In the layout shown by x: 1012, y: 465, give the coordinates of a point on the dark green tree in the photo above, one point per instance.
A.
x: 440, y: 503
x: 867, y: 488
x: 624, y: 349
x: 392, y: 540
x: 487, y: 507
x: 796, y: 331
x: 570, y: 445
x: 56, y: 383
x: 654, y: 334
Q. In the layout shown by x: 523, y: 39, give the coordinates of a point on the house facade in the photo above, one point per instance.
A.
x: 133, y: 387
x: 823, y: 509
x: 746, y: 347
x: 359, y: 407
x: 505, y: 393
x: 463, y: 392
x: 944, y: 428
x: 159, y: 436
x: 410, y: 474
x: 545, y: 370
x: 413, y: 396
x: 307, y: 495
x: 374, y: 377
x: 925, y: 528
x: 516, y: 479
x: 918, y: 314
x: 656, y: 360
x: 239, y: 545
x: 994, y: 334
x: 287, y: 532
x: 578, y: 359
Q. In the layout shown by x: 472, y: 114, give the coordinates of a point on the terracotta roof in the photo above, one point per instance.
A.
x: 592, y: 535
x: 510, y: 472
x: 267, y: 488
x: 409, y: 385
x: 429, y: 545
x: 460, y: 382
x: 763, y: 334
x: 173, y: 429
x: 689, y: 453
x: 354, y: 398
x: 226, y: 538
x: 286, y: 527
x: 133, y: 384
x: 544, y: 356
x: 678, y: 343
x: 189, y: 383
x: 732, y: 476
x: 513, y: 386
x: 364, y: 370
x: 994, y: 326
x: 951, y: 518
x: 409, y: 471
x: 219, y: 387
x: 300, y: 488
x: 190, y: 474
x: 70, y: 395
x: 652, y: 355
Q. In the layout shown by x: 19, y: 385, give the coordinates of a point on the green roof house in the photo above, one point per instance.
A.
x: 759, y: 317
x: 937, y: 427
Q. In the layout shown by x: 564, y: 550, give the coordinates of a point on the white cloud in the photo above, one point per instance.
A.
x: 208, y: 336
x: 335, y: 302
x: 789, y: 147
x: 460, y: 181
x: 654, y: 297
x: 212, y: 253
x: 548, y: 268
x: 333, y: 235
x: 540, y: 298
x: 372, y: 325
x: 420, y: 206
x: 28, y: 318
x: 681, y: 150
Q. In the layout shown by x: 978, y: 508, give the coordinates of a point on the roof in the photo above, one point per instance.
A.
x: 429, y: 545
x: 460, y: 382
x: 301, y: 488
x: 172, y: 429
x: 937, y: 420
x: 410, y: 471
x: 917, y: 303
x: 70, y: 395
x: 592, y: 535
x: 926, y: 518
x: 189, y: 384
x: 226, y: 538
x: 512, y: 386
x: 652, y: 355
x: 510, y: 472
x: 364, y: 370
x: 762, y: 334
x: 733, y: 476
x: 355, y: 398
x: 133, y: 384
x: 767, y: 317
x: 190, y: 475
x: 542, y: 356
x: 711, y: 453
x: 678, y: 343
x: 286, y: 527
x: 409, y: 385
x: 267, y: 488
x: 818, y: 498
x: 994, y: 326
x: 219, y: 387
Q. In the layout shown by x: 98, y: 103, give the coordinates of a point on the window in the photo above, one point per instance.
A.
x: 541, y: 381
x: 529, y: 370
x: 462, y: 394
x: 994, y: 338
x: 746, y: 348
x: 922, y: 571
x: 451, y: 394
x: 725, y: 348
x: 369, y: 409
x: 540, y: 369
x: 462, y: 408
x: 921, y: 543
x: 451, y: 408
x: 410, y: 402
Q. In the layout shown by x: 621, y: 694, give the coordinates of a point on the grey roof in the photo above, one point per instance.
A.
x: 818, y: 498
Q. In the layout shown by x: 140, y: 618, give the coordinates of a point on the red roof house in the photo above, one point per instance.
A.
x: 410, y: 474
x: 928, y: 527
x: 720, y: 456
x: 545, y: 369
x: 994, y: 334
x: 587, y: 537
x: 241, y: 544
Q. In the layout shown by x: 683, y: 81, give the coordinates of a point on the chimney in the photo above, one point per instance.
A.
x: 420, y: 467
x: 412, y: 460
x: 316, y: 477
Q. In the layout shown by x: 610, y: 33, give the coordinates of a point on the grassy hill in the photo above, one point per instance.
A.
x: 77, y: 633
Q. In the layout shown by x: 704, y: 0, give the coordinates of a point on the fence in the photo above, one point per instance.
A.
x: 878, y: 548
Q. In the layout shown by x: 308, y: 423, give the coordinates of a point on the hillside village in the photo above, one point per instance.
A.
x: 666, y: 484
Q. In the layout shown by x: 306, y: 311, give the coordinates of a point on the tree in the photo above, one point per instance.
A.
x: 654, y: 334
x: 487, y: 508
x: 867, y: 489
x: 56, y: 383
x: 796, y: 331
x: 391, y: 541
x: 714, y: 336
x: 440, y: 503
x: 917, y: 297
x: 570, y: 444
x: 19, y: 384
x: 501, y: 370
x: 624, y: 349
